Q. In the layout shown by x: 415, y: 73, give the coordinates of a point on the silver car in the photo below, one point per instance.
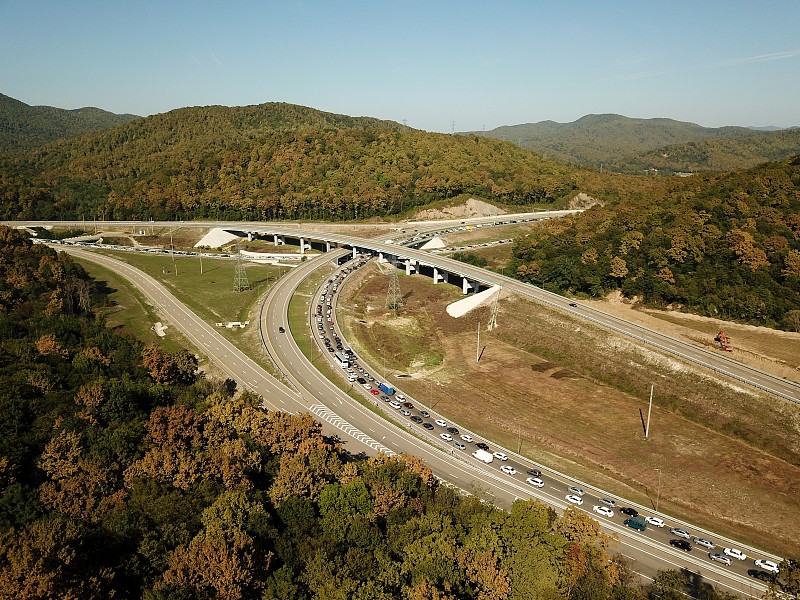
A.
x: 682, y: 533
x: 705, y: 543
x: 720, y: 558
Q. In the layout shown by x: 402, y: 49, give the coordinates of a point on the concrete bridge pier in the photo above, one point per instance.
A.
x: 439, y: 276
x: 466, y: 286
x: 411, y: 267
x: 278, y: 240
x: 327, y: 246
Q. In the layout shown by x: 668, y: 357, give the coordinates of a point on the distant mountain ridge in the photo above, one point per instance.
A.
x: 270, y: 161
x: 632, y: 145
x: 24, y: 127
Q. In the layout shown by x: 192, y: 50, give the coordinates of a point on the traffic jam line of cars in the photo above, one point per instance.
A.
x: 683, y: 540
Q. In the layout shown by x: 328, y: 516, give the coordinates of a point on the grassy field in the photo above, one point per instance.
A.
x: 211, y: 296
x: 573, y: 397
x: 128, y: 310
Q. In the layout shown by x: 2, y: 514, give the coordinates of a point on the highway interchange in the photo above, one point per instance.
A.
x: 367, y: 430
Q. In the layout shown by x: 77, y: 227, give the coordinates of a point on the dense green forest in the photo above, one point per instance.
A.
x: 24, y: 127
x: 725, y: 246
x: 627, y: 145
x: 126, y: 474
x: 272, y: 161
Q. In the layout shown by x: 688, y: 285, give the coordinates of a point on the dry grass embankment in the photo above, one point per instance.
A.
x: 570, y: 395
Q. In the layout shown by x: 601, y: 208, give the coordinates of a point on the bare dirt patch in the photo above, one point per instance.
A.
x: 572, y: 396
x: 471, y: 208
x: 770, y: 350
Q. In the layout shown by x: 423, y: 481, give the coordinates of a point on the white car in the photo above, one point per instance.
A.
x: 441, y: 422
x: 394, y: 404
x: 574, y: 499
x: 508, y: 470
x: 446, y: 437
x: 654, y: 521
x: 366, y: 386
x: 609, y: 502
x: 500, y: 456
x: 466, y: 438
x: 535, y: 482
x: 576, y: 490
x: 767, y: 565
x: 405, y: 412
x: 734, y: 553
x: 604, y: 511
x: 400, y: 397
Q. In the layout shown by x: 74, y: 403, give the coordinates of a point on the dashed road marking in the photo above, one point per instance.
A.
x: 331, y: 417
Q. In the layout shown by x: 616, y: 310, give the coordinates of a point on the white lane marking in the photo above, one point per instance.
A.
x: 331, y: 417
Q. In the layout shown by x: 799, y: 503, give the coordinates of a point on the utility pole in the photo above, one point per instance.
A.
x: 649, y: 408
x: 478, y: 346
x: 658, y: 492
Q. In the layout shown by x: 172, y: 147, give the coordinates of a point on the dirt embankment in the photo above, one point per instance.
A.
x: 471, y: 208
x: 573, y: 397
x: 775, y: 352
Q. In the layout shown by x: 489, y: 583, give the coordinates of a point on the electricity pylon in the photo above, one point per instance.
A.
x: 240, y: 283
x: 393, y: 298
x: 493, y: 319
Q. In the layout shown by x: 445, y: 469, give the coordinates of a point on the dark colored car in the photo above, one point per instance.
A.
x: 361, y: 380
x: 416, y: 419
x: 427, y: 426
x: 534, y: 472
x: 482, y: 446
x: 631, y: 512
x: 681, y: 544
x: 408, y: 405
x: 636, y: 523
x: 761, y: 575
x: 281, y: 330
x: 452, y: 430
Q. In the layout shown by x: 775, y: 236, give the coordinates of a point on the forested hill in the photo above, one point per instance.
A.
x: 126, y: 474
x: 24, y: 127
x: 268, y: 161
x: 726, y: 246
x: 629, y: 145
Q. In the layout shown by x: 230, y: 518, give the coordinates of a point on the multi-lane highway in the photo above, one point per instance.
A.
x: 784, y: 388
x: 367, y: 430
x: 643, y: 546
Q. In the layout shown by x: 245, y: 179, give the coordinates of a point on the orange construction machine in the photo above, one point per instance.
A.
x: 724, y: 341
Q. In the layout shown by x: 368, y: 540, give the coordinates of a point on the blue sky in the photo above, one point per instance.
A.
x: 435, y: 64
